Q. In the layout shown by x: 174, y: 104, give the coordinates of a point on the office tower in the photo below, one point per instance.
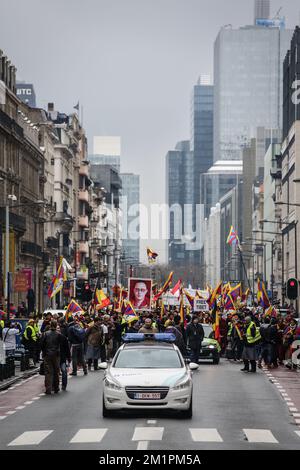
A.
x: 130, y: 217
x: 106, y: 151
x: 202, y: 105
x: 261, y: 10
x: 180, y: 192
x: 247, y: 85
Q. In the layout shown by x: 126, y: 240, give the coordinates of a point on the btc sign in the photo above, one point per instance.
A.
x: 200, y: 305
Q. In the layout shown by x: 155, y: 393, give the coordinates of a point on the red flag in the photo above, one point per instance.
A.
x: 176, y: 288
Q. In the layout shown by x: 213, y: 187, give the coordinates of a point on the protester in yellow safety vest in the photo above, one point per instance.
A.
x: 252, y: 338
x: 30, y: 341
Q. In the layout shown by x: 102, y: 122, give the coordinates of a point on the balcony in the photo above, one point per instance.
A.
x: 52, y: 243
x: 84, y: 170
x: 83, y: 221
x: 83, y: 247
x: 31, y: 249
x: 17, y: 222
x: 65, y: 219
x: 83, y: 195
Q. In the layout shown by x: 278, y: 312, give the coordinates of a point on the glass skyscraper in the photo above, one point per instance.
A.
x: 261, y: 10
x: 202, y: 107
x: 130, y: 226
x: 248, y: 85
x: 180, y: 191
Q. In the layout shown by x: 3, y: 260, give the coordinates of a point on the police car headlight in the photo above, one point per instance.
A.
x: 211, y: 346
x: 186, y: 383
x: 112, y: 384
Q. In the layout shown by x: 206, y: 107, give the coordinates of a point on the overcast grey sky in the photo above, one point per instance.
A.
x: 130, y: 63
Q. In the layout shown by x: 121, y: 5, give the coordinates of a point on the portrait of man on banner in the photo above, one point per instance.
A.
x: 140, y: 291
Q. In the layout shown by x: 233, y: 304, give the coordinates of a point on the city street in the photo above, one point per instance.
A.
x: 232, y: 410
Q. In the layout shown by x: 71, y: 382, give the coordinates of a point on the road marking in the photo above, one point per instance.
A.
x: 30, y: 438
x: 297, y: 421
x: 142, y: 445
x: 296, y: 415
x: 290, y: 403
x: 3, y: 417
x: 36, y: 398
x: 20, y: 407
x: 88, y: 435
x: 298, y: 433
x: 293, y: 409
x: 205, y: 435
x: 151, y: 421
x: 11, y: 412
x: 284, y: 394
x: 28, y: 402
x: 260, y: 435
x: 287, y: 399
x: 148, y: 434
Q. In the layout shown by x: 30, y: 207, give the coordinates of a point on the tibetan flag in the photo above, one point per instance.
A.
x: 236, y: 292
x: 181, y: 310
x: 151, y: 256
x: 269, y: 311
x: 129, y: 310
x: 213, y: 296
x: 216, y: 326
x: 229, y: 303
x: 233, y: 238
x: 100, y: 299
x: 165, y: 287
x: 199, y: 295
x: 176, y: 288
x: 73, y: 308
x: 189, y: 297
x: 246, y: 295
x: 57, y: 280
x: 262, y: 295
x: 162, y: 309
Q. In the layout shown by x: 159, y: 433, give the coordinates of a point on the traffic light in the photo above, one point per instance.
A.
x: 292, y: 287
x: 87, y: 294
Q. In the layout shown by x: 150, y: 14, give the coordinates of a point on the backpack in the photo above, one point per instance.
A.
x: 79, y: 333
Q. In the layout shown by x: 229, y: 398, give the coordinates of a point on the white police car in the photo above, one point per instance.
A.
x: 148, y: 372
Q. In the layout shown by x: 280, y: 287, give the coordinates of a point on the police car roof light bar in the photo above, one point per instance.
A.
x: 137, y: 337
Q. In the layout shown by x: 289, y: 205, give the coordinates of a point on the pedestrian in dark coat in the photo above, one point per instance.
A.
x: 50, y: 346
x: 195, y: 335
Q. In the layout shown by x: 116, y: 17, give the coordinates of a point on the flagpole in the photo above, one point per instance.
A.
x: 245, y: 271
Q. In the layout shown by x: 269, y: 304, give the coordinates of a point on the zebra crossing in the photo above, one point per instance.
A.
x: 142, y: 436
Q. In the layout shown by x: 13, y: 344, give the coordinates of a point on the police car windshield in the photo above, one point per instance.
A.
x: 146, y: 358
x: 207, y: 330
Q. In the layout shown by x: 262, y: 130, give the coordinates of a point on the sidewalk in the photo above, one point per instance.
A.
x: 18, y: 376
x: 290, y: 381
x: 287, y: 383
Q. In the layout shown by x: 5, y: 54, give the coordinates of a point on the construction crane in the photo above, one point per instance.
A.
x: 277, y: 17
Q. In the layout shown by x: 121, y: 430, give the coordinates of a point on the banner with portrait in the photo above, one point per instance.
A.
x: 140, y: 293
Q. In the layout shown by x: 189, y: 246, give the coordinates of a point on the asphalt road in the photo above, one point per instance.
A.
x: 232, y: 410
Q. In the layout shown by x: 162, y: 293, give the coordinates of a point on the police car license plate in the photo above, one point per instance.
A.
x: 147, y: 396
